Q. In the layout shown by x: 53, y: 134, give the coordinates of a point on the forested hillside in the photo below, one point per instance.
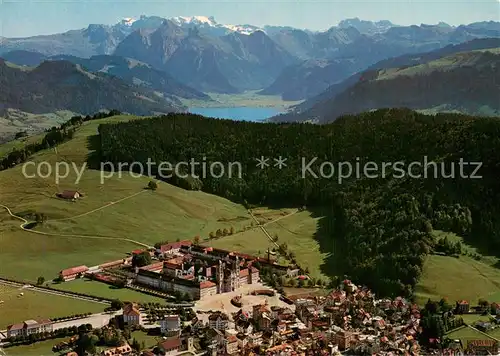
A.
x: 380, y: 228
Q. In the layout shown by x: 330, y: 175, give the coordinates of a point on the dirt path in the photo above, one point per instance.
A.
x: 100, y: 208
x: 96, y: 237
x: 263, y: 226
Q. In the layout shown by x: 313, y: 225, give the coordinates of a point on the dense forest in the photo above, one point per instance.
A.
x: 378, y: 228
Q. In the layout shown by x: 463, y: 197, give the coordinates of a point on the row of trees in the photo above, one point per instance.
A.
x: 376, y: 228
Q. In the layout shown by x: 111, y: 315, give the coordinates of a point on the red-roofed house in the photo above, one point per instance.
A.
x: 482, y: 347
x: 131, y: 314
x: 70, y: 195
x: 118, y: 351
x: 30, y: 327
x: 462, y: 307
x: 171, y: 345
x: 231, y: 343
x: 174, y: 247
x: 207, y: 288
x: 73, y: 273
x: 495, y: 308
x: 154, y: 267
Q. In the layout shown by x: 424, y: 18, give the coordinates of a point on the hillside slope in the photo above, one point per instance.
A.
x: 61, y: 85
x: 375, y: 226
x: 130, y: 70
x: 467, y: 82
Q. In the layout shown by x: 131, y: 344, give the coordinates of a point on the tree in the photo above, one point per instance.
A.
x: 196, y: 240
x: 141, y: 259
x: 40, y: 281
x: 211, y: 235
x: 152, y: 185
x: 116, y: 304
x: 136, y: 345
x: 231, y: 230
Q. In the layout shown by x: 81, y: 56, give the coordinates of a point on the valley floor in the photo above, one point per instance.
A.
x: 246, y: 99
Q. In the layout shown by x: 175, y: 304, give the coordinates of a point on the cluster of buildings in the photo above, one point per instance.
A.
x: 197, y: 271
x: 348, y: 320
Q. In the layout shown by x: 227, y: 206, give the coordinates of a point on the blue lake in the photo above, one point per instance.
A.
x: 237, y: 113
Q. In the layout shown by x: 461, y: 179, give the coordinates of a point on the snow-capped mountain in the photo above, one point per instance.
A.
x: 366, y: 27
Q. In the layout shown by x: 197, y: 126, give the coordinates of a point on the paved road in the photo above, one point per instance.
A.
x: 98, y: 320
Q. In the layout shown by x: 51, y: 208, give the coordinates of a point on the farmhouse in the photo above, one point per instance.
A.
x: 73, y: 273
x: 70, y: 195
x: 29, y: 327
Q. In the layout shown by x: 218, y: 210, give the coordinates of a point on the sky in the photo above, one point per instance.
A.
x: 20, y: 18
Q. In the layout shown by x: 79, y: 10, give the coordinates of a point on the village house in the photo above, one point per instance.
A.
x: 219, y: 321
x: 171, y: 324
x: 174, y: 247
x: 131, y: 314
x: 73, y: 273
x: 495, y: 308
x: 170, y: 346
x: 255, y: 338
x: 29, y: 327
x: 231, y: 343
x: 462, y: 307
x: 118, y: 351
x: 482, y: 347
x: 344, y: 339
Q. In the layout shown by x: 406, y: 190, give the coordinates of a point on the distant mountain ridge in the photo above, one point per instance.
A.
x: 62, y: 85
x: 461, y: 78
x: 226, y: 64
x: 200, y: 52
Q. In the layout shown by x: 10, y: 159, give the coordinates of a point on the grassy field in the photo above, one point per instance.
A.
x: 150, y: 341
x: 15, y: 121
x: 36, y: 305
x: 297, y: 231
x: 168, y: 214
x: 99, y: 289
x: 8, y: 147
x: 466, y: 334
x: 458, y: 278
x: 249, y: 99
x: 43, y: 348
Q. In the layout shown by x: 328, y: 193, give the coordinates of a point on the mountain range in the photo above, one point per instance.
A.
x: 130, y: 70
x: 166, y: 60
x: 462, y: 78
x: 62, y: 85
x: 294, y: 63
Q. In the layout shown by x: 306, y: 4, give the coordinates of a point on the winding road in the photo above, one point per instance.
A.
x: 97, y: 237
